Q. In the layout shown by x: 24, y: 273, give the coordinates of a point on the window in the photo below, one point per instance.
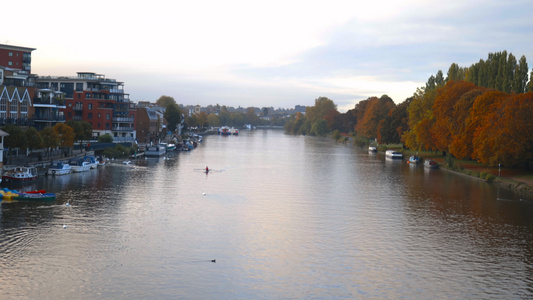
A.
x: 67, y: 88
x: 90, y: 106
x: 107, y: 126
x: 69, y: 114
x: 107, y: 116
x: 79, y: 86
x: 98, y: 125
x: 70, y: 104
x: 87, y: 95
x: 9, y: 63
x: 89, y: 116
x: 10, y: 53
x: 99, y: 115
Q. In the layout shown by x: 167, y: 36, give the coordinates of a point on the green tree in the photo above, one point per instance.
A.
x: 33, y: 138
x: 173, y: 116
x: 455, y: 72
x: 319, y: 128
x: 105, y: 138
x: 213, y: 120
x: 165, y: 101
x: 520, y: 80
x: 15, y: 139
x: 251, y: 117
x: 82, y: 130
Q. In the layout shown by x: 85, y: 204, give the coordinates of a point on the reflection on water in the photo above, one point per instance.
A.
x: 284, y: 217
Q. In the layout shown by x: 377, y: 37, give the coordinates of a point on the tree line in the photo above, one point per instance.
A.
x: 482, y: 112
x: 62, y: 135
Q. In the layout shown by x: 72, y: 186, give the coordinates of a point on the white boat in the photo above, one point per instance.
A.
x: 79, y: 165
x: 224, y: 130
x: 431, y: 164
x: 169, y: 146
x: 413, y: 160
x: 393, y: 154
x: 59, y: 168
x: 372, y: 149
x: 157, y: 150
x: 91, y: 160
x: 19, y: 174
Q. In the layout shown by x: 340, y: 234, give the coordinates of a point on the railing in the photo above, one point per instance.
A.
x: 78, y: 107
x: 48, y: 118
x: 122, y: 128
x: 123, y: 119
x: 48, y: 101
x: 17, y: 121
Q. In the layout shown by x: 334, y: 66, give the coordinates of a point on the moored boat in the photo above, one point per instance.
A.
x: 224, y: 130
x: 20, y: 174
x: 34, y: 197
x: 91, y: 160
x: 413, y: 160
x: 157, y: 150
x: 59, y: 168
x: 79, y: 164
x: 38, y: 195
x: 372, y: 149
x: 431, y: 164
x: 393, y: 154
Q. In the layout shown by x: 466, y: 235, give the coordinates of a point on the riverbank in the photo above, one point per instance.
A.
x: 520, y: 181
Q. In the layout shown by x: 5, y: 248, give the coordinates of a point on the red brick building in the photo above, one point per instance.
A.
x: 98, y: 100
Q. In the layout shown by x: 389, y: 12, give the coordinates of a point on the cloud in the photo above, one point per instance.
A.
x: 274, y: 53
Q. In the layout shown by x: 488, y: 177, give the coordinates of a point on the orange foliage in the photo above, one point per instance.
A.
x: 446, y: 120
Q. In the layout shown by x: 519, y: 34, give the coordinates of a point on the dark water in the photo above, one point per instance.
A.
x: 284, y: 217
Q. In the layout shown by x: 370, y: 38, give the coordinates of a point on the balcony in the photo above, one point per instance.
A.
x: 48, y: 118
x: 123, y: 119
x: 57, y: 102
x: 15, y: 121
x: 78, y: 107
x: 122, y: 128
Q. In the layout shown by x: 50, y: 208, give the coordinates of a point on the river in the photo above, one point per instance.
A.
x: 282, y: 217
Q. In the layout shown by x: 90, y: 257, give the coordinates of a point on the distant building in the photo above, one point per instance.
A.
x: 16, y: 58
x: 17, y: 86
x: 98, y: 100
x: 150, y: 123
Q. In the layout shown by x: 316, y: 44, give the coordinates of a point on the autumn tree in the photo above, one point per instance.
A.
x: 377, y: 110
x: 66, y: 135
x: 483, y: 119
x: 446, y: 120
x: 392, y: 127
x: 50, y: 139
x: 420, y: 120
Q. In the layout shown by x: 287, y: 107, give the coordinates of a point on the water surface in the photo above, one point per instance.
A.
x: 283, y: 216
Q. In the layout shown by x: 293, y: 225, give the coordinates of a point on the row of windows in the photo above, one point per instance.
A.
x: 90, y: 115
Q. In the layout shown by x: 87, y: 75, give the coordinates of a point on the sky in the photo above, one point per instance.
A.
x: 266, y: 53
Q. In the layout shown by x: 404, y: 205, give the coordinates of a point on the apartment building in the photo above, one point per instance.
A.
x: 21, y: 102
x: 96, y: 99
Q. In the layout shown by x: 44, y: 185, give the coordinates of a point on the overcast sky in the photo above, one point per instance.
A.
x: 266, y: 53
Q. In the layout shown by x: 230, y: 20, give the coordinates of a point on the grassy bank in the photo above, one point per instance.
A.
x: 514, y: 179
